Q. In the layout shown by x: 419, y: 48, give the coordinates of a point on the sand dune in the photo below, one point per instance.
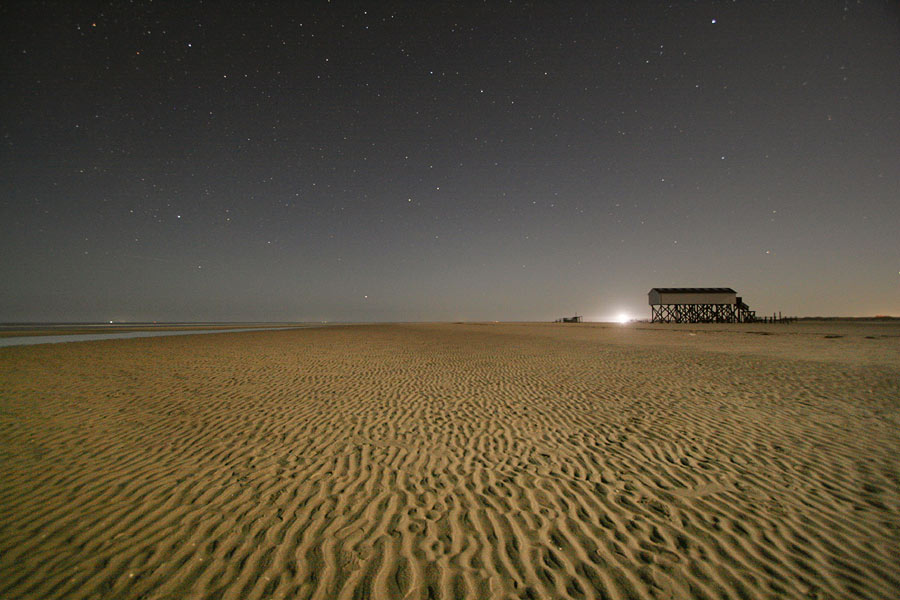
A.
x: 454, y: 461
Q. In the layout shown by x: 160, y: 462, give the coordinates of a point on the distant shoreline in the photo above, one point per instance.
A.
x: 77, y: 328
x: 155, y: 324
x: 40, y: 329
x: 48, y: 337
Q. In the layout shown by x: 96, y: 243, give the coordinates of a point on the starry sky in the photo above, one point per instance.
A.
x: 405, y: 161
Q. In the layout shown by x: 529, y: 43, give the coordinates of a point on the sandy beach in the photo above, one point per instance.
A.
x: 455, y: 461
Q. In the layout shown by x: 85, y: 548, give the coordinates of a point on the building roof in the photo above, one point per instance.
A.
x: 694, y: 290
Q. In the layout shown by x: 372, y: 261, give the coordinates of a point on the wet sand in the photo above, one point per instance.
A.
x: 455, y: 461
x: 40, y: 337
x: 9, y: 331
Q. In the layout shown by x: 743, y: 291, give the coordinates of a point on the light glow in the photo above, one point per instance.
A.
x: 622, y: 318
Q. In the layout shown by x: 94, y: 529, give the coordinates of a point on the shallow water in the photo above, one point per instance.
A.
x: 29, y: 340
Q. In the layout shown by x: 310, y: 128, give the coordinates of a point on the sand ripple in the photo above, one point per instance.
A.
x: 443, y: 462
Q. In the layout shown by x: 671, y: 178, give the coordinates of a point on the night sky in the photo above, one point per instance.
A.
x: 402, y: 161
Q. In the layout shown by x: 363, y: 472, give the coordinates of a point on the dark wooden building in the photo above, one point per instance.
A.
x: 575, y: 319
x: 698, y: 305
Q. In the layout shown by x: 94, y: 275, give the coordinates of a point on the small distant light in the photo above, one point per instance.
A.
x: 110, y: 322
x: 713, y: 21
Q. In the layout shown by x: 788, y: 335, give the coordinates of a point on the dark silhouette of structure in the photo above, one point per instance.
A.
x: 575, y: 319
x: 698, y: 305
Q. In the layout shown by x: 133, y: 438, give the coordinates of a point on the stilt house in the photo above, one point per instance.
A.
x: 698, y: 305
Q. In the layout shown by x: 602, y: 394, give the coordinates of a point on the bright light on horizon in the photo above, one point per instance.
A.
x: 622, y: 318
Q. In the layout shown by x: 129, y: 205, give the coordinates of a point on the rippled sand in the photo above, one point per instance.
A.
x: 455, y: 461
